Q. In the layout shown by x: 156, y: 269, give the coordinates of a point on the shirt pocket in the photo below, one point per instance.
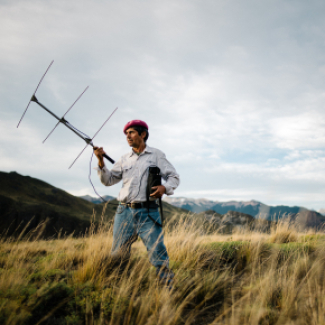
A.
x: 144, y: 167
x: 127, y: 171
x: 150, y: 162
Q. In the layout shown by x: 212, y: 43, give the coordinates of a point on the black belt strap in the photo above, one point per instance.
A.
x: 140, y: 205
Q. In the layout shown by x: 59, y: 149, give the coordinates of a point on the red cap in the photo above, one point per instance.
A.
x: 135, y: 123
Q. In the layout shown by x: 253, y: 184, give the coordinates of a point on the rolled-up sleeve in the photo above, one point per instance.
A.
x: 169, y: 174
x: 110, y: 177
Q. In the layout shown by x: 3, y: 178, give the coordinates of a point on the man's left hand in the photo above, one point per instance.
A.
x: 160, y: 190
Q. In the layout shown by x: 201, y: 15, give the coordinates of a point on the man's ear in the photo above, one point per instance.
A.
x: 143, y: 134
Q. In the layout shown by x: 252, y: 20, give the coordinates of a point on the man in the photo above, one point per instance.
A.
x: 136, y: 216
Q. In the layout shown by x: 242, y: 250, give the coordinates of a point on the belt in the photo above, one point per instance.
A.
x: 141, y: 205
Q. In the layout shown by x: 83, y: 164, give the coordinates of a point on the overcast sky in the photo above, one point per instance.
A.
x: 233, y: 92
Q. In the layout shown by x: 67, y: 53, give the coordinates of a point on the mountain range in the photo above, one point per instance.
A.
x: 307, y: 218
x: 254, y: 208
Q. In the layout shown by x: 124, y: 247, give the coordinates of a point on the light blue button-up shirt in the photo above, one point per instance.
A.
x: 133, y: 171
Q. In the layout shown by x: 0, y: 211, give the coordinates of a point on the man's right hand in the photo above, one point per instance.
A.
x: 99, y: 154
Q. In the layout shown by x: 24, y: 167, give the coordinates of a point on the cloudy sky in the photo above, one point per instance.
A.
x: 233, y: 92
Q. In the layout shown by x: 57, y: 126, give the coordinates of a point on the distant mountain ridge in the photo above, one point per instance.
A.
x: 254, y: 208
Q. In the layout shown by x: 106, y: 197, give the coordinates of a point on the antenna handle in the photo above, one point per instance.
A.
x: 109, y: 158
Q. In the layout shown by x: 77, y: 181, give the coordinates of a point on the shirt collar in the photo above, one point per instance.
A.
x: 147, y: 149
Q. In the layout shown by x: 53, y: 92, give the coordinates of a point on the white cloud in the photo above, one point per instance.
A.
x: 301, y: 131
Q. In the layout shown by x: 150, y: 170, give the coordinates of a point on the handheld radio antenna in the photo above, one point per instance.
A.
x: 62, y: 120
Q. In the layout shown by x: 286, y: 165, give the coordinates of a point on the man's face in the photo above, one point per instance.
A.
x: 133, y: 138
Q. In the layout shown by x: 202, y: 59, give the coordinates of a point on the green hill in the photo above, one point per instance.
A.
x: 24, y: 200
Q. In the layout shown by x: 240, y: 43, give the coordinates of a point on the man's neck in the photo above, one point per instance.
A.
x: 139, y: 149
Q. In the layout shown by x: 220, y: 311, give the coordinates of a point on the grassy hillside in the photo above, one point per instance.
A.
x: 26, y: 200
x: 243, y: 278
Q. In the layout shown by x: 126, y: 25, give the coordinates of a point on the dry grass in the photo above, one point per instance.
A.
x: 243, y: 278
x: 283, y: 232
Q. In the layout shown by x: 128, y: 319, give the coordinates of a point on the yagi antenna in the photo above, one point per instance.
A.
x: 62, y: 120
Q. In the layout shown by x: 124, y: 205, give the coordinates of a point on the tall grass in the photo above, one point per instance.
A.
x: 241, y: 278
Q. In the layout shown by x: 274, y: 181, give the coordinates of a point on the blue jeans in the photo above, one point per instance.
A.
x: 129, y: 224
